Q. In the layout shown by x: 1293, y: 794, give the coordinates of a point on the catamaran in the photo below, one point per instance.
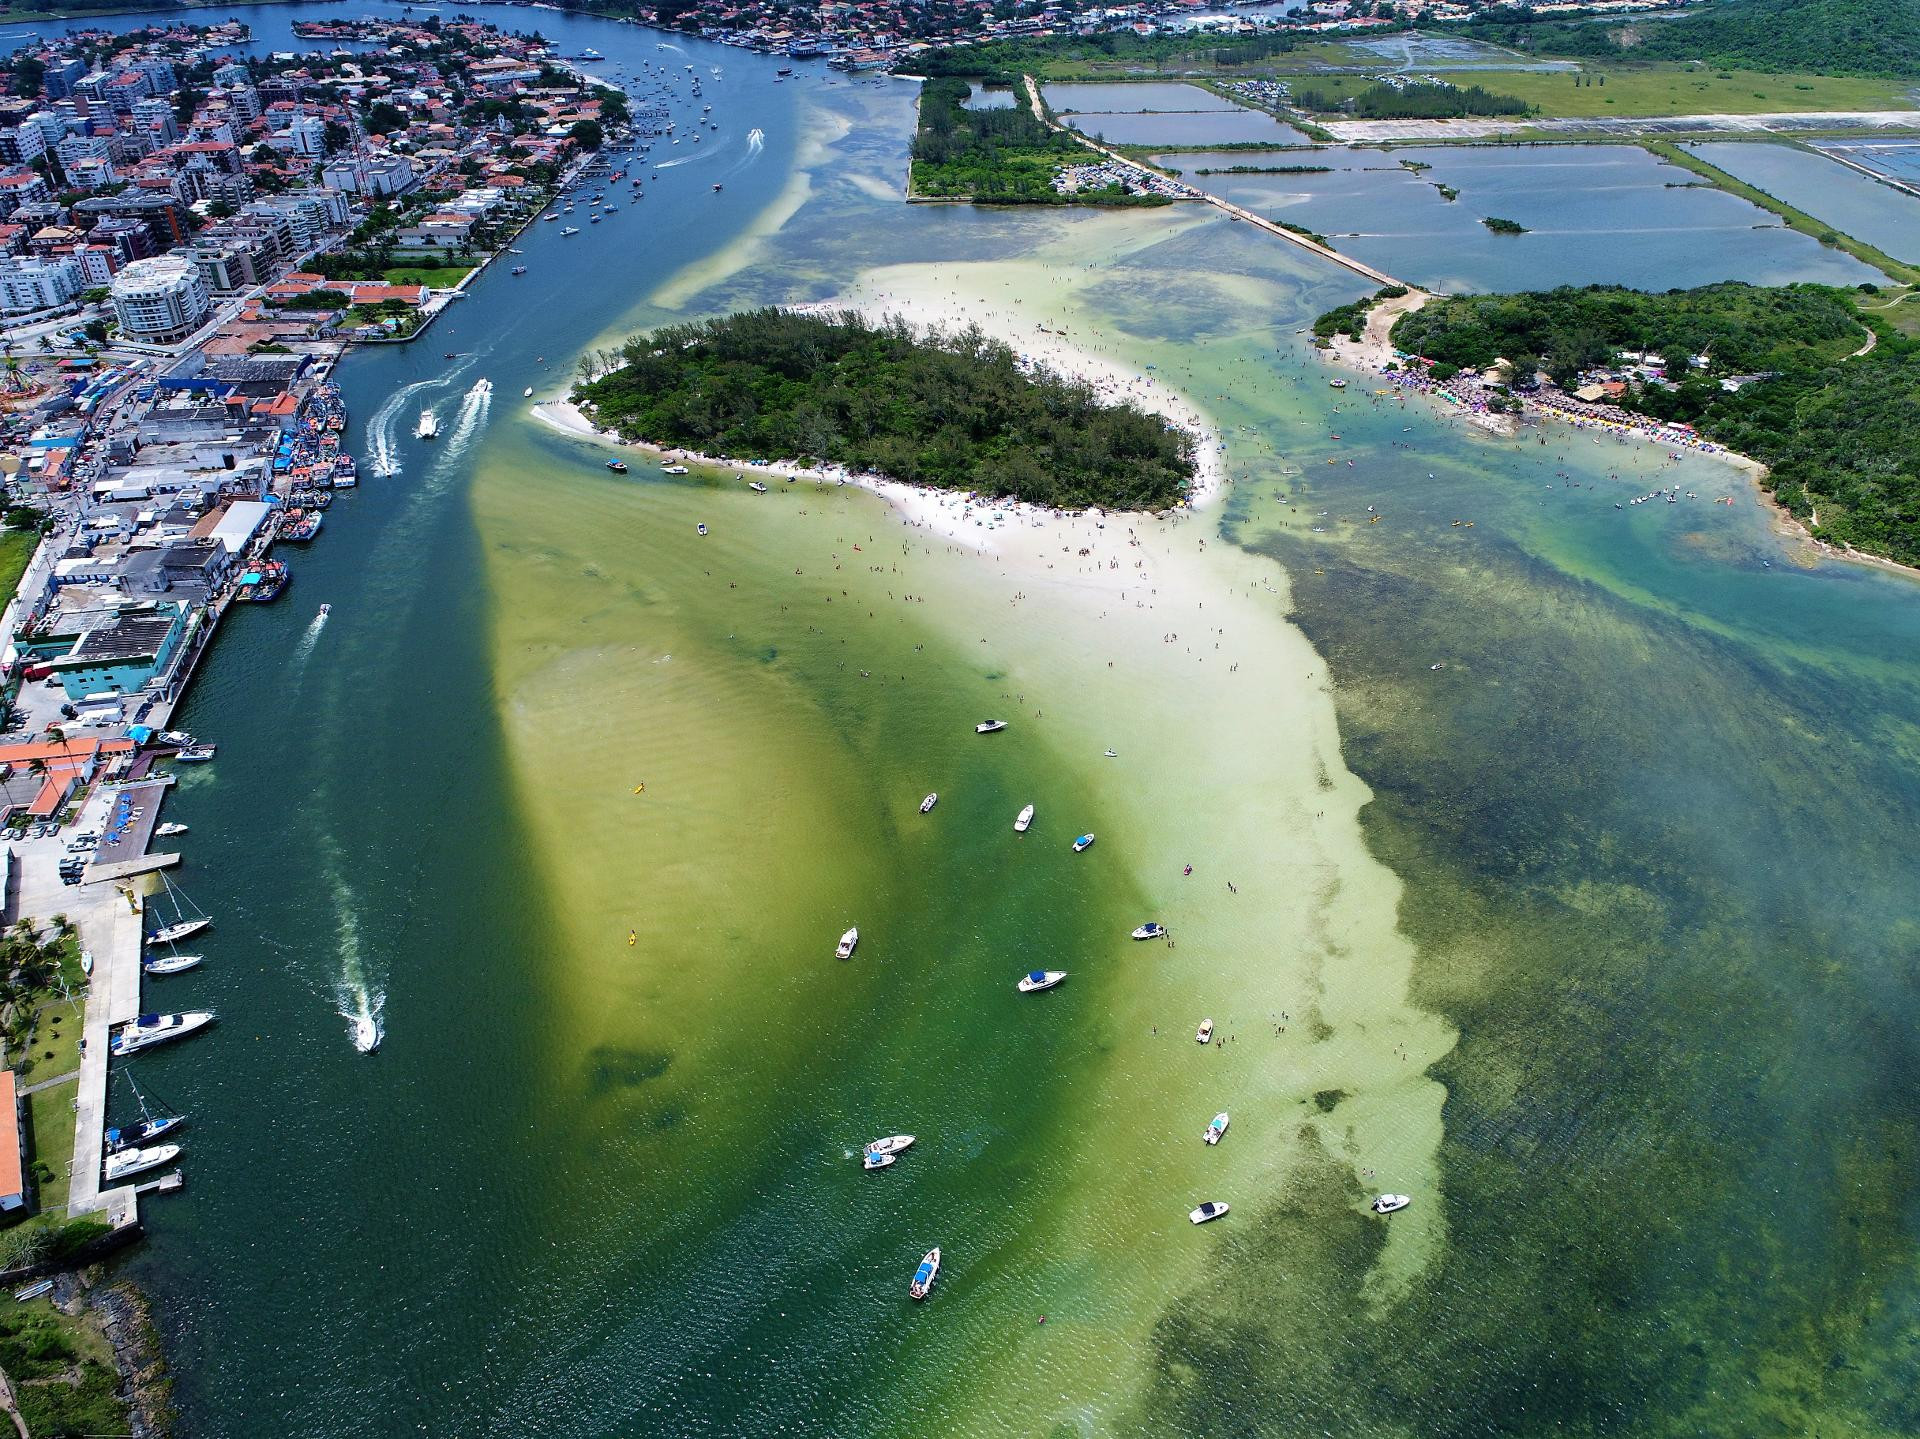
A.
x: 989, y: 726
x: 923, y: 1276
x: 847, y: 942
x: 1151, y: 930
x: 151, y: 1029
x: 1217, y: 1128
x: 1212, y: 1209
x: 1391, y: 1203
x: 1036, y: 980
x: 1025, y: 819
x: 928, y: 803
x: 129, y: 1162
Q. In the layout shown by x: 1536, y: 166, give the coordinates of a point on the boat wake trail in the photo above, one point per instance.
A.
x: 303, y: 648
x: 383, y: 453
x: 756, y: 140
x: 357, y: 997
x: 472, y: 415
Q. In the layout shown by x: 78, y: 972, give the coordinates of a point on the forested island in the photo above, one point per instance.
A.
x: 1772, y: 372
x: 954, y: 410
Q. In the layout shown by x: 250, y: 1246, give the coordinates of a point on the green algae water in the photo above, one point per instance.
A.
x: 1571, y: 867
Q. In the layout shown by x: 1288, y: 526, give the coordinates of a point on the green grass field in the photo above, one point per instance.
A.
x: 444, y: 278
x: 1652, y: 91
x: 16, y: 552
x: 50, y: 1139
x: 1898, y: 307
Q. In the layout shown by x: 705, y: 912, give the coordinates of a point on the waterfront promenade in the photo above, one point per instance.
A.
x: 1239, y: 212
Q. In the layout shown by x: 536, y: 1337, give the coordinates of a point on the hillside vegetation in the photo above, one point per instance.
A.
x: 1827, y: 37
x: 951, y: 410
x: 1840, y: 432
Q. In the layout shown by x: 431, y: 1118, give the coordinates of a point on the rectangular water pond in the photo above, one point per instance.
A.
x: 1236, y: 127
x: 1595, y: 214
x: 1132, y: 98
x: 1896, y: 159
x: 1827, y: 190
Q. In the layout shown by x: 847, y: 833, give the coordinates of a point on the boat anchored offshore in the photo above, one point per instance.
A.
x: 151, y: 1029
x: 928, y: 803
x: 1391, y: 1203
x: 870, y: 1160
x: 1204, y: 1034
x: 1151, y: 930
x: 1025, y: 818
x: 1212, y: 1209
x: 1217, y: 1128
x: 619, y: 467
x: 892, y: 1144
x: 989, y: 726
x: 1036, y: 980
x: 1084, y: 842
x: 847, y: 943
x: 923, y: 1277
x: 757, y: 488
x: 428, y: 428
x: 137, y: 1161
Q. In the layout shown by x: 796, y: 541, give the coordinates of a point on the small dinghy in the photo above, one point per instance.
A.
x: 1212, y: 1209
x: 847, y: 942
x: 1204, y: 1034
x: 1036, y: 980
x: 1217, y: 1128
x: 1391, y: 1203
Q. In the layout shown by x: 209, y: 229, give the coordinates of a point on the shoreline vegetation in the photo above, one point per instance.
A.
x: 1001, y: 157
x: 944, y: 409
x: 1796, y: 382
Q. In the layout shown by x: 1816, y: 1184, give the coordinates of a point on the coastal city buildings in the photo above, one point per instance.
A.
x: 161, y: 299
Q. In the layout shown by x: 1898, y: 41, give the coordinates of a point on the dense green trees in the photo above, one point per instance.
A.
x: 1411, y: 102
x: 955, y: 411
x: 1840, y: 432
x: 1004, y: 156
x: 1829, y: 37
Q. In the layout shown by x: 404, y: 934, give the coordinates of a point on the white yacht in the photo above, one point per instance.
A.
x: 927, y: 804
x: 1204, y: 1034
x: 138, y: 1161
x: 923, y: 1276
x: 1217, y: 1128
x: 1036, y: 980
x: 1212, y: 1209
x: 1151, y: 930
x: 1025, y: 819
x: 172, y: 963
x: 428, y: 428
x: 168, y: 831
x: 989, y: 726
x: 178, y: 930
x: 892, y: 1144
x: 1391, y: 1203
x: 847, y: 942
x: 151, y: 1029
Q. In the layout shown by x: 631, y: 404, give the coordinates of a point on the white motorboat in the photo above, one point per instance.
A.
x: 137, y: 1161
x: 1151, y: 930
x: 168, y: 831
x: 569, y: 230
x: 1085, y: 841
x: 847, y: 942
x: 428, y: 428
x: 892, y: 1144
x: 757, y: 488
x: 151, y: 1029
x: 673, y: 469
x: 366, y: 1033
x: 923, y: 1277
x: 527, y: 394
x: 172, y: 963
x: 928, y: 803
x: 1212, y: 1209
x: 989, y: 726
x: 1204, y: 1034
x: 195, y: 754
x: 1025, y: 819
x: 1391, y: 1203
x: 1217, y: 1128
x: 1036, y: 980
x: 1113, y: 754
x: 177, y: 737
x: 870, y: 1160
x: 178, y: 930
